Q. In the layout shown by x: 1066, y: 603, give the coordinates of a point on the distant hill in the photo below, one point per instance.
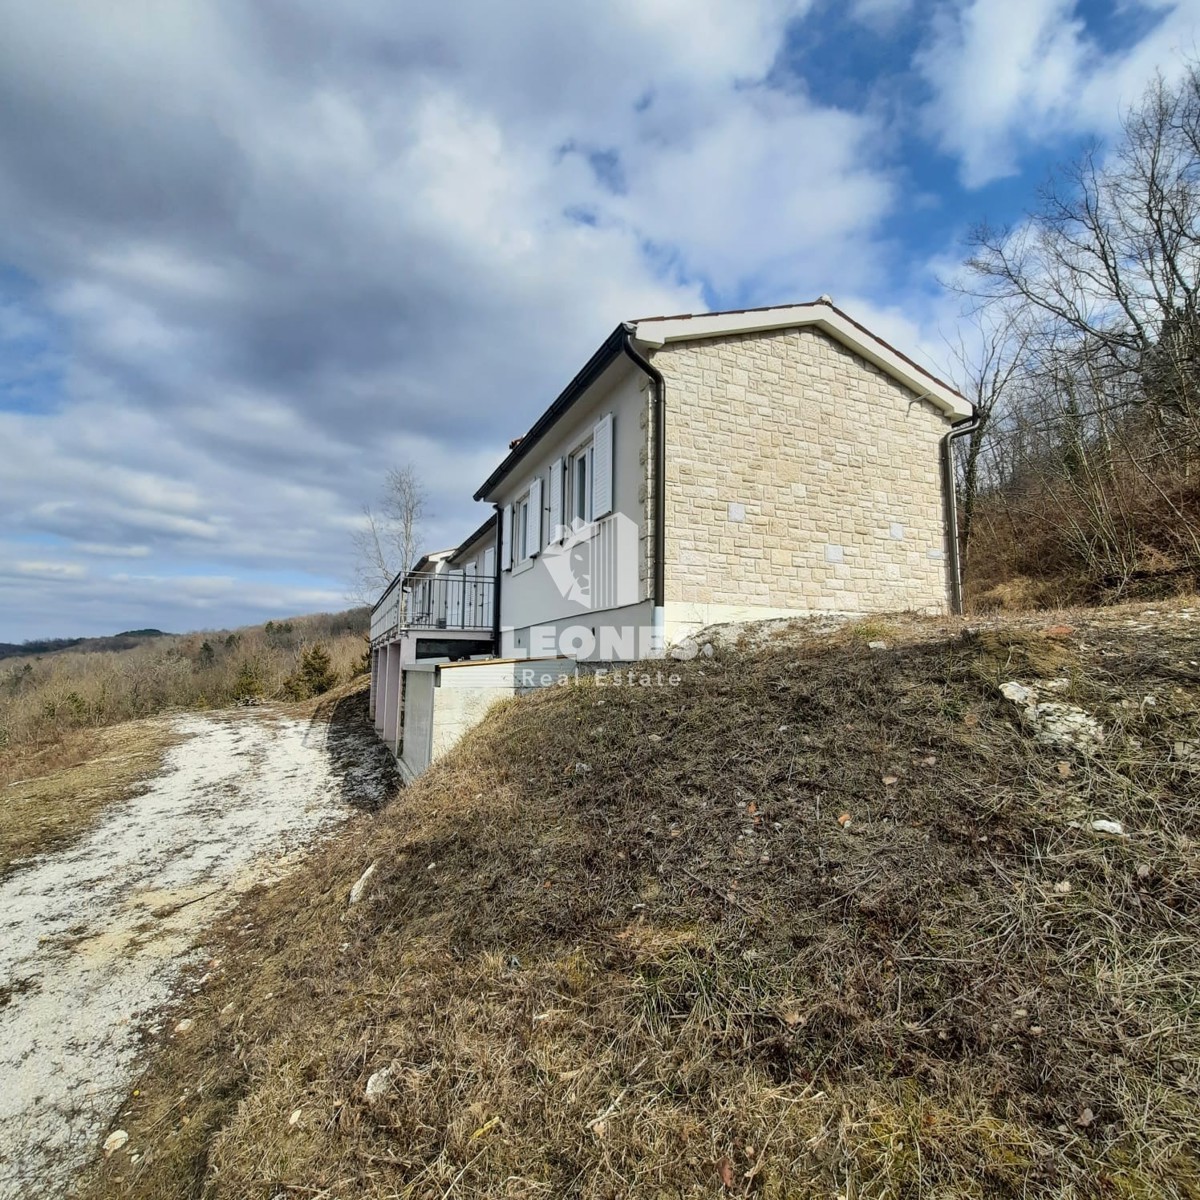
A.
x: 117, y: 641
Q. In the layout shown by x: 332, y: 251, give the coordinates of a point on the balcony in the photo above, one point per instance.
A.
x: 455, y: 601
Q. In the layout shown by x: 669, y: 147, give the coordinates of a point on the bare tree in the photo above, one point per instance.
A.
x: 1111, y: 259
x: 389, y: 542
x: 989, y: 356
x: 1092, y: 442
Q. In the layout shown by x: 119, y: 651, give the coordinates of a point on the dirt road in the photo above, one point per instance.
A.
x: 95, y: 939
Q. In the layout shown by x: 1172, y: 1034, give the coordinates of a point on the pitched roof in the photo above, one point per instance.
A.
x: 655, y: 332
x: 825, y: 315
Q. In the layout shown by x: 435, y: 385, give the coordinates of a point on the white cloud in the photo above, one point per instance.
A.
x: 882, y: 14
x: 105, y: 550
x: 286, y: 252
x: 1007, y: 74
x: 177, y: 603
x: 49, y: 570
x: 760, y: 189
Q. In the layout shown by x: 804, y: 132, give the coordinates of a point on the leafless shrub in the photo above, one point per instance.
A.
x: 1088, y: 471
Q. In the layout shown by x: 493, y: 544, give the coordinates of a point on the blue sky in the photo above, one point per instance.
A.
x: 253, y: 254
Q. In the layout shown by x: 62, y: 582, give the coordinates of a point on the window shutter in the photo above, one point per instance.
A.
x: 602, y: 467
x: 533, y: 535
x: 556, y: 501
x: 506, y: 538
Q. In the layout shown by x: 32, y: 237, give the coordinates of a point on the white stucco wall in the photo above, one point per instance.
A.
x: 530, y: 596
x: 613, y: 634
x: 474, y: 551
x: 417, y: 744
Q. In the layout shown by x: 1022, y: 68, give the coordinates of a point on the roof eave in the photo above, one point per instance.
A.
x: 657, y: 332
x: 588, y: 374
x: 467, y: 542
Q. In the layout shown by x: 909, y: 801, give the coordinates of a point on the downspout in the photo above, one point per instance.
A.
x: 496, y: 585
x: 960, y: 429
x: 658, y: 486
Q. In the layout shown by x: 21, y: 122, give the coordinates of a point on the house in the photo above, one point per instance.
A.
x: 443, y: 609
x: 724, y: 467
x: 698, y: 469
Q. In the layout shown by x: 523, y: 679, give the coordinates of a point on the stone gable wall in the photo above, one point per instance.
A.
x: 800, y: 477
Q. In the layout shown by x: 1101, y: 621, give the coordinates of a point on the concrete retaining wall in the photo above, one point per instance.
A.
x: 445, y: 700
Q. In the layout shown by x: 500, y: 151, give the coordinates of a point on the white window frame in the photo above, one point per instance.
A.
x: 582, y: 455
x: 520, y: 529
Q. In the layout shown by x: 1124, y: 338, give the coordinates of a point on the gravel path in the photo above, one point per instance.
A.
x: 94, y: 939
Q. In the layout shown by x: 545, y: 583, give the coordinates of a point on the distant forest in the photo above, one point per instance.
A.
x: 118, y: 641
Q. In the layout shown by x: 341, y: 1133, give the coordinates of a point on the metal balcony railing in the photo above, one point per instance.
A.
x: 448, y: 600
x: 454, y: 600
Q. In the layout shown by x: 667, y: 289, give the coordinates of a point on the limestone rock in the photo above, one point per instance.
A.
x: 115, y: 1141
x: 378, y: 1085
x: 360, y: 886
x: 1053, y: 722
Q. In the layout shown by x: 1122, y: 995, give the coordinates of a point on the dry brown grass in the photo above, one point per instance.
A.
x: 53, y: 706
x: 50, y: 796
x: 71, y: 740
x: 1118, y: 530
x: 678, y: 974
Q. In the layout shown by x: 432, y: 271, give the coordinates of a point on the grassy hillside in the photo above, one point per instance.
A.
x: 74, y: 737
x: 822, y: 920
x: 50, y: 703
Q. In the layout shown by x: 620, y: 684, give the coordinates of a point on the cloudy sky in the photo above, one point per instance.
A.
x: 254, y: 252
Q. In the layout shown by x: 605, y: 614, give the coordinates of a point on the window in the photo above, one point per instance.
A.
x: 527, y: 524
x: 456, y: 650
x: 579, y: 484
x: 521, y: 528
